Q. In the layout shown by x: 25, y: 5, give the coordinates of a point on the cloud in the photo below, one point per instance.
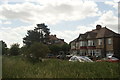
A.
x: 112, y: 3
x: 49, y: 12
x: 6, y: 22
x: 0, y: 22
x: 69, y: 35
x: 109, y: 20
x: 14, y: 35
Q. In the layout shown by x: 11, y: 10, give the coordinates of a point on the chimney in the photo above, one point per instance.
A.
x: 54, y: 35
x: 98, y: 27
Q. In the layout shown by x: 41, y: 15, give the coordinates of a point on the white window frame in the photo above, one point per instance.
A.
x: 109, y: 41
x: 90, y: 43
x: 72, y: 45
x: 100, y: 42
x: 77, y: 44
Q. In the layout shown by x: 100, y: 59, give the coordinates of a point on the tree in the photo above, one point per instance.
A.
x: 37, y: 51
x: 39, y: 34
x: 4, y: 47
x: 23, y: 50
x: 55, y: 49
x: 65, y: 48
x: 15, y: 50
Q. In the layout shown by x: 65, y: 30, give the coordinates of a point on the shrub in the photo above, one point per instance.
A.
x: 37, y: 51
x: 15, y: 50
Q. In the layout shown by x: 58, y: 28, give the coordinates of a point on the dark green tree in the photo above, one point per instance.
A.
x: 4, y: 47
x: 37, y: 51
x: 14, y: 49
x: 23, y: 50
x: 55, y: 49
x: 39, y: 34
x: 65, y: 48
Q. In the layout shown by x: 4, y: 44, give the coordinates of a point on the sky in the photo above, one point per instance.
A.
x: 65, y: 18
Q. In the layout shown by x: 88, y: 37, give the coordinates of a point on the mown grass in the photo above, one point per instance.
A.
x: 18, y: 67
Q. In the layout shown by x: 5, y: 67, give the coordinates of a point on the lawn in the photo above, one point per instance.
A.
x: 18, y: 67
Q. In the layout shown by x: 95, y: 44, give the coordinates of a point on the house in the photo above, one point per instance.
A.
x: 98, y: 42
x: 54, y: 40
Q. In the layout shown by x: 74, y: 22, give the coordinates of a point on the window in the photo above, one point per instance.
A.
x: 83, y: 43
x: 72, y: 45
x: 109, y: 41
x: 77, y: 45
x: 91, y: 52
x: 99, y: 41
x: 90, y: 43
x: 80, y: 43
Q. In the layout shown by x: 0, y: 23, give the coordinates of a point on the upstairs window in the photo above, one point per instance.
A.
x: 72, y: 45
x: 90, y: 43
x: 83, y: 43
x: 77, y: 45
x: 99, y: 41
x: 109, y: 41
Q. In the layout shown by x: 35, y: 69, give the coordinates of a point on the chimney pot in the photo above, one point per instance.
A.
x: 98, y: 27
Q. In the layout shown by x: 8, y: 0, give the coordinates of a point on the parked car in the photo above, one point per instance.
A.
x: 109, y: 59
x: 61, y: 56
x: 80, y: 59
x: 68, y: 56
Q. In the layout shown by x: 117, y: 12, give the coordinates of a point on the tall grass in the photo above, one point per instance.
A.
x: 0, y: 66
x: 18, y: 67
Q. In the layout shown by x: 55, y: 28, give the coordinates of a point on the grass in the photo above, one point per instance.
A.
x: 18, y: 67
x: 0, y: 66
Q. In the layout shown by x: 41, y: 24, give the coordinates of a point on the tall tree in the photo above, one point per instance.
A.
x: 39, y: 34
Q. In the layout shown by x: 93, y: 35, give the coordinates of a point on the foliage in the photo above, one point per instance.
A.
x: 4, y: 48
x: 23, y: 50
x: 39, y: 34
x: 17, y: 67
x: 65, y: 48
x: 14, y: 49
x: 55, y: 49
x: 37, y: 51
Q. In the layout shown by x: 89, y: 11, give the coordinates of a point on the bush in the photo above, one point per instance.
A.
x: 14, y: 50
x: 37, y: 51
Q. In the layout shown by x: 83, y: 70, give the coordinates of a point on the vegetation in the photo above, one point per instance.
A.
x: 37, y: 51
x: 56, y: 48
x: 65, y: 48
x: 19, y: 67
x: 15, y: 50
x: 4, y: 48
x: 39, y: 34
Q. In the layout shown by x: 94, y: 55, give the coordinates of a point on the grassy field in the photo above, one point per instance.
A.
x: 17, y: 67
x: 0, y: 66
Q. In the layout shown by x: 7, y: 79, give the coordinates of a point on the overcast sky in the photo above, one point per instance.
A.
x: 65, y: 18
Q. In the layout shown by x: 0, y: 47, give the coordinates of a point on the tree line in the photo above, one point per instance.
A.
x: 37, y: 45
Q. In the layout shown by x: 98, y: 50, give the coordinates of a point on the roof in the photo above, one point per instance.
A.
x: 53, y: 37
x: 97, y: 33
x: 105, y: 32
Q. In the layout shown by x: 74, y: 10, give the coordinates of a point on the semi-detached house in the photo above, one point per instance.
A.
x: 98, y: 42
